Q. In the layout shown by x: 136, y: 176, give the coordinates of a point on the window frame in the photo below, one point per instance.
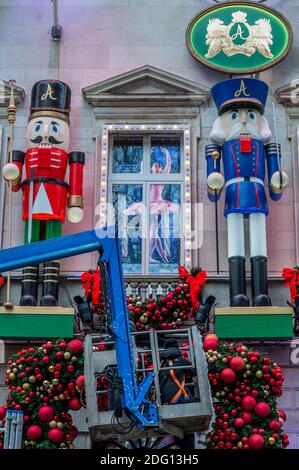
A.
x: 183, y: 178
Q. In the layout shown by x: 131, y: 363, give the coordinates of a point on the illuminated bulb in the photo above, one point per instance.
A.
x: 187, y: 178
x: 143, y: 126
x: 175, y: 126
x: 188, y: 259
x: 103, y: 198
x: 126, y: 126
x: 75, y: 214
x: 187, y: 193
x: 103, y: 167
x: 159, y: 127
x: 104, y: 152
x: 187, y: 161
x: 187, y: 147
x: 110, y: 127
x: 103, y: 183
x: 105, y: 136
x: 186, y: 131
x: 10, y: 172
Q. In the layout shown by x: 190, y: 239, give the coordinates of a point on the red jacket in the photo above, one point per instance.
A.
x: 46, y: 168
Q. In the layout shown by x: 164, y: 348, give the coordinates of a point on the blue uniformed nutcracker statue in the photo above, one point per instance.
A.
x: 241, y: 138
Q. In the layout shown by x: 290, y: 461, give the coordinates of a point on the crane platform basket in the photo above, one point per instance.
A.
x: 177, y: 419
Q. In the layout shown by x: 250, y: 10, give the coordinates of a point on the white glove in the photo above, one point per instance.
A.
x: 215, y: 181
x: 75, y: 214
x: 10, y: 172
x: 276, y: 180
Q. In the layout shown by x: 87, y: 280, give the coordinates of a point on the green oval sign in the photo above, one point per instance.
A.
x: 239, y: 37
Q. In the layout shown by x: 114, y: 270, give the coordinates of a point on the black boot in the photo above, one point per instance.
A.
x: 29, y: 286
x: 259, y: 282
x: 237, y: 281
x: 50, y: 284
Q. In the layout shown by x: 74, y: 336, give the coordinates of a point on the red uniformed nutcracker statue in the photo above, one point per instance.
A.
x: 46, y: 194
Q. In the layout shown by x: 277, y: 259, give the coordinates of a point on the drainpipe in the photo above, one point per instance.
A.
x: 56, y: 29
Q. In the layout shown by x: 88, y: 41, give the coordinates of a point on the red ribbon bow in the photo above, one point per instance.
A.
x: 91, y: 284
x: 291, y: 277
x: 195, y: 283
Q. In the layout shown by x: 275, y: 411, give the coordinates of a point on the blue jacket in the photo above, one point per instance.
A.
x: 249, y: 195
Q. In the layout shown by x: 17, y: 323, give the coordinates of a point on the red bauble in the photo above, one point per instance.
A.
x: 2, y: 413
x: 248, y: 403
x: 262, y: 409
x: 75, y: 346
x: 282, y: 415
x: 211, y: 336
x: 274, y: 425
x: 256, y: 441
x: 45, y: 413
x: 74, y: 404
x: 237, y: 363
x: 34, y: 432
x: 228, y: 375
x: 55, y: 435
x: 239, y: 423
x: 80, y: 382
x: 210, y: 344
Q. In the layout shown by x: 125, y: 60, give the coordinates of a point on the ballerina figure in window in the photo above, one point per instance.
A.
x: 160, y: 209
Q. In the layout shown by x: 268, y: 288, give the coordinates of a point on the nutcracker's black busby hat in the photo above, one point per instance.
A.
x: 50, y: 98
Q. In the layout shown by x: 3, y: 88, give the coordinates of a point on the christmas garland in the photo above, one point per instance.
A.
x: 245, y: 385
x: 165, y: 313
x: 45, y: 383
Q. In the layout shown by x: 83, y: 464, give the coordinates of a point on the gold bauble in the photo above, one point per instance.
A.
x: 32, y: 379
x: 271, y: 441
x: 26, y: 386
x: 267, y: 387
x: 244, y: 348
x: 15, y: 370
x: 61, y: 396
x: 46, y: 383
x: 60, y: 425
x: 211, y: 360
x: 219, y: 356
x: 222, y: 393
x: 51, y: 387
x: 266, y: 393
x: 20, y: 367
x: 224, y: 360
x: 240, y: 445
x: 217, y: 394
x: 248, y: 373
x: 243, y: 354
x: 139, y: 304
x: 55, y: 398
x: 37, y: 394
x: 55, y: 382
x: 74, y: 359
x: 226, y: 388
x: 51, y: 369
x: 248, y: 366
x: 259, y: 374
x: 67, y: 355
x: 42, y: 395
x: 12, y: 376
x: 52, y: 424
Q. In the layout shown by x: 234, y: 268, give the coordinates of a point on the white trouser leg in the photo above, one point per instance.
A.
x: 235, y: 235
x: 257, y: 233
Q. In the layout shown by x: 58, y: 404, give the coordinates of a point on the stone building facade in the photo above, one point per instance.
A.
x: 127, y: 65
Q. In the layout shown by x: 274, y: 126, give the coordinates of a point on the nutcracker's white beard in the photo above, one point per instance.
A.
x: 220, y: 133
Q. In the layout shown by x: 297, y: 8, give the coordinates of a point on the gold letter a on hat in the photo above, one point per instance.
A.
x: 49, y: 93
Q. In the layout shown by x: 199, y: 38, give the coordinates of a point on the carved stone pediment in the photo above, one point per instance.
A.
x: 146, y: 86
x: 19, y: 93
x: 288, y: 94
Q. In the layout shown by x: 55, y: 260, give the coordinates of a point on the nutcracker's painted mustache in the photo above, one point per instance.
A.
x: 51, y: 139
x: 238, y: 127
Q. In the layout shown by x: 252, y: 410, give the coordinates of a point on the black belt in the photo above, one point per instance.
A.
x: 43, y: 179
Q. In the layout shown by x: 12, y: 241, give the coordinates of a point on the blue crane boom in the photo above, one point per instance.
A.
x: 140, y: 410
